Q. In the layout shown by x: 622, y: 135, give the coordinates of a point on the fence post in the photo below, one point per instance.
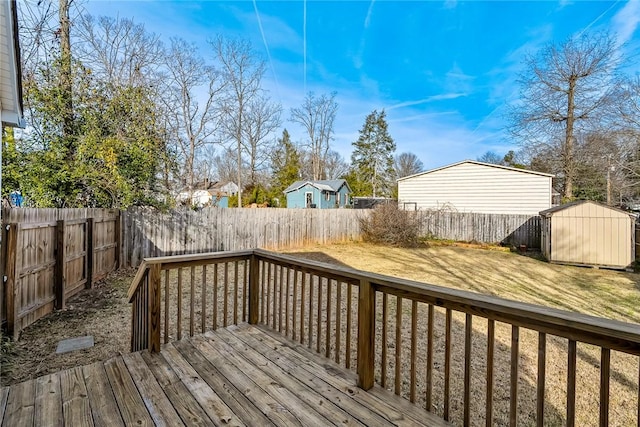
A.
x: 118, y: 231
x: 366, y: 334
x: 254, y: 289
x: 90, y: 253
x: 10, y: 271
x: 153, y: 311
x: 61, y: 257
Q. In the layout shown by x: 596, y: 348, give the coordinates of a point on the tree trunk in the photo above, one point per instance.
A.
x: 65, y: 77
x: 568, y: 142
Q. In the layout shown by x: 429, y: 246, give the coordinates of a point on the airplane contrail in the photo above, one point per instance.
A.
x: 266, y: 46
x: 304, y: 44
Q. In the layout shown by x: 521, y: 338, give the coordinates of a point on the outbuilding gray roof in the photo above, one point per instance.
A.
x: 325, y: 184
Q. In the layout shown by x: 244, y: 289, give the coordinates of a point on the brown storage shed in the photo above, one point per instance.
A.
x: 588, y: 233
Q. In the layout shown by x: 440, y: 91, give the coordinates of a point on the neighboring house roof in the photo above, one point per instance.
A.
x: 11, y: 76
x: 480, y: 164
x: 326, y: 185
x: 549, y: 212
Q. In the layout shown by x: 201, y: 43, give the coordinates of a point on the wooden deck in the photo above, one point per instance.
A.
x: 242, y: 375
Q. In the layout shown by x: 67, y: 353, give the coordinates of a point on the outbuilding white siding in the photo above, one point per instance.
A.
x: 471, y: 186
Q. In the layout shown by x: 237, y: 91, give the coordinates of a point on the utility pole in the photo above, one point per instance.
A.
x: 66, y: 77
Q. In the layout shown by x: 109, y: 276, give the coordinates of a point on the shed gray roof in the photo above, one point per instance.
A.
x: 325, y: 184
x: 549, y: 212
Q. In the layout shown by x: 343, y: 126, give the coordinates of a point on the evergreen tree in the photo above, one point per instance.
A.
x: 286, y: 167
x: 372, y: 158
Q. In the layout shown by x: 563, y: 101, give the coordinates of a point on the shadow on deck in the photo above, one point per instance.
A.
x: 241, y: 375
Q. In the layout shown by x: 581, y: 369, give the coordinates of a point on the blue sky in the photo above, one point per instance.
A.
x: 445, y: 71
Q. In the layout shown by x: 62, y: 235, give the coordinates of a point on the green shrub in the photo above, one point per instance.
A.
x: 389, y: 225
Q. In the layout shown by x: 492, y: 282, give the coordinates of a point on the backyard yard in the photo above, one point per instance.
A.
x: 104, y: 313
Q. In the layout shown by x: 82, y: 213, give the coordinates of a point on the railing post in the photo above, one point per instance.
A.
x: 153, y: 311
x: 366, y: 334
x: 254, y: 289
x: 61, y: 258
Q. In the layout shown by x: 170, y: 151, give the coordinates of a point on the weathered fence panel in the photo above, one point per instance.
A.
x: 50, y: 255
x: 148, y: 233
x: 514, y: 230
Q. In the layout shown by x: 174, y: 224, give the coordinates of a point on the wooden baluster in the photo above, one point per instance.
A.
x: 253, y: 277
x: 348, y: 336
x: 225, y: 301
x: 429, y: 379
x: 571, y: 384
x: 491, y: 328
x: 302, y: 302
x: 294, y: 305
x: 236, y: 285
x: 286, y: 303
x: 383, y: 356
x: 398, y: 367
x: 468, y: 329
x: 192, y: 308
x: 414, y: 332
x: 215, y: 296
x: 268, y: 285
x: 447, y: 363
x: 245, y: 297
x: 542, y: 368
x: 338, y: 319
x: 280, y: 296
x: 203, y: 297
x: 179, y: 301
x: 366, y: 334
x: 263, y: 286
x: 513, y: 397
x: 319, y: 316
x: 327, y: 340
x: 275, y: 297
x: 310, y: 334
x: 153, y: 307
x: 605, y: 374
x: 638, y: 400
x: 166, y: 305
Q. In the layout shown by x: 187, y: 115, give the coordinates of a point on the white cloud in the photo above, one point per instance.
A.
x: 625, y: 22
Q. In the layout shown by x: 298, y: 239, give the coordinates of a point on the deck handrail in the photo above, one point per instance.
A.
x: 270, y: 276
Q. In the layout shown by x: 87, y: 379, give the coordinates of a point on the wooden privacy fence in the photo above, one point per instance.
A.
x: 514, y: 230
x: 471, y: 359
x: 150, y: 233
x: 51, y: 255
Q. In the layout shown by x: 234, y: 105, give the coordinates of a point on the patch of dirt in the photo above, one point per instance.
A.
x: 103, y: 312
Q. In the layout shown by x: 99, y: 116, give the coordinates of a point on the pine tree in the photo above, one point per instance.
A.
x: 286, y: 167
x: 372, y: 158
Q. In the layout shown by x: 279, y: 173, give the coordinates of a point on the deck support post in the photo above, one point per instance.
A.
x: 366, y: 334
x: 153, y: 311
x: 254, y: 289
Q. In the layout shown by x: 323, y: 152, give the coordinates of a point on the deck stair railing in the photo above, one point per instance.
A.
x: 465, y: 356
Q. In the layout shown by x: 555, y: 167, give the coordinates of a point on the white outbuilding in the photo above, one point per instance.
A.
x: 471, y: 186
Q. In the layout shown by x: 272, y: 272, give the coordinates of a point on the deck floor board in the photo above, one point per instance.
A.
x: 239, y: 376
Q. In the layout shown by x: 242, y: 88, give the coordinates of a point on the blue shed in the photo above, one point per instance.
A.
x: 324, y: 194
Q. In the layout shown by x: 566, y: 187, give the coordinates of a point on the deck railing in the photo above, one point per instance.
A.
x: 470, y: 358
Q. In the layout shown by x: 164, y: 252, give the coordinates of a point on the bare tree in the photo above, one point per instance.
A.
x: 335, y: 166
x: 566, y: 90
x: 118, y: 50
x: 316, y: 116
x: 225, y: 165
x: 242, y: 73
x: 193, y: 122
x: 406, y: 164
x: 263, y: 118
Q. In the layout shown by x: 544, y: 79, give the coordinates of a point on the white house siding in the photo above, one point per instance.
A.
x: 9, y: 91
x: 478, y: 187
